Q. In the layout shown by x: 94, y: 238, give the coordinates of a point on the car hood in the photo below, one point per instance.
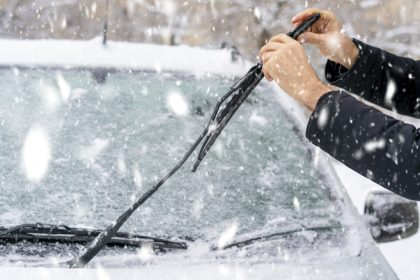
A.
x: 356, y: 268
x: 357, y: 261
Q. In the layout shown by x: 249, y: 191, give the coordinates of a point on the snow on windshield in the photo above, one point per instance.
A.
x: 79, y: 147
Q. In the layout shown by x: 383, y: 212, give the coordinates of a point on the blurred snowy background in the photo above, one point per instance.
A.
x: 245, y: 24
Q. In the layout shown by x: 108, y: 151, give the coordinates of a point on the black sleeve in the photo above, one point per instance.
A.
x: 382, y: 78
x: 373, y: 144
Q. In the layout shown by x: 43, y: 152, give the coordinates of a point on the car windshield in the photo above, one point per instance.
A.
x: 79, y: 146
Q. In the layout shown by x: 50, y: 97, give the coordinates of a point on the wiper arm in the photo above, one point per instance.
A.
x: 63, y: 234
x: 266, y: 237
x: 240, y: 92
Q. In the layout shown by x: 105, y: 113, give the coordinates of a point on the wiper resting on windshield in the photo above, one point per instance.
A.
x: 238, y: 94
x: 266, y: 237
x: 63, y: 234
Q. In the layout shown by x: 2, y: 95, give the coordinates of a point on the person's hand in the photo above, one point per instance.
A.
x: 285, y: 61
x: 328, y: 35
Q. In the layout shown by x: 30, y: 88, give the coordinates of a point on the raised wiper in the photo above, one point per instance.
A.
x: 267, y: 237
x: 63, y: 234
x: 238, y: 93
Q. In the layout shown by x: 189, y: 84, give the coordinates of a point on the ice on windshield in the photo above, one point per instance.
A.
x: 79, y: 146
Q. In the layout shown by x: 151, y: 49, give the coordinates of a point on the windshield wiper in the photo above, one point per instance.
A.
x: 63, y: 234
x: 238, y: 93
x: 270, y: 236
x: 219, y: 118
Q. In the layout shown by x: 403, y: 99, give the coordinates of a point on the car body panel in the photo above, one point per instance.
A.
x: 365, y: 259
x: 403, y: 254
x: 209, y: 271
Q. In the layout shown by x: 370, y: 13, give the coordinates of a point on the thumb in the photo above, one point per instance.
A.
x: 311, y: 38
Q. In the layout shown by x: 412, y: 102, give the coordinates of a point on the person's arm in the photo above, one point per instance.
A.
x: 379, y: 147
x: 380, y: 77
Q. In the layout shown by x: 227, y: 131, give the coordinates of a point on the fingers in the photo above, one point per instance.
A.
x: 283, y: 38
x: 265, y: 71
x: 278, y: 46
x: 311, y: 38
x: 269, y: 47
x: 266, y: 56
x: 305, y: 14
x: 326, y: 16
x: 276, y: 43
x: 268, y: 59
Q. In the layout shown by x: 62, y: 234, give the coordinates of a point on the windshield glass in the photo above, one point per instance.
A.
x: 79, y: 147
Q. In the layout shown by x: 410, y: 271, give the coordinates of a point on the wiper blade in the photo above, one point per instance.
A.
x: 219, y: 119
x: 267, y: 237
x: 63, y: 234
x: 240, y: 92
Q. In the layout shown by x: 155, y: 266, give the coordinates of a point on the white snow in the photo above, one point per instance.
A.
x: 198, y: 271
x: 323, y: 118
x: 137, y: 177
x: 145, y: 253
x: 227, y: 235
x: 118, y: 54
x: 36, y: 154
x: 64, y: 87
x: 50, y: 95
x: 296, y: 203
x: 177, y: 103
x: 256, y: 119
x: 369, y: 3
x: 90, y: 153
x: 122, y: 166
x: 374, y: 145
x: 391, y: 89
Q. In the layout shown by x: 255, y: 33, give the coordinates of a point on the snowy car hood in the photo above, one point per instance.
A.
x: 121, y: 55
x: 353, y: 269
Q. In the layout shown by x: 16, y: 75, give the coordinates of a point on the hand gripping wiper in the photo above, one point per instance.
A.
x: 239, y: 92
x: 218, y: 120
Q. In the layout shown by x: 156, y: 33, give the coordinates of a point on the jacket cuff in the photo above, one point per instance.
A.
x: 350, y: 79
